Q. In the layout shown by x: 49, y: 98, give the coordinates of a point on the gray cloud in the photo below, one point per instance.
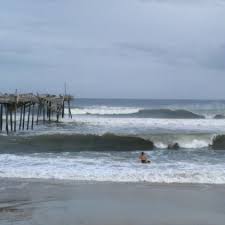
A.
x: 112, y: 48
x: 177, y: 2
x: 215, y: 60
x: 210, y: 58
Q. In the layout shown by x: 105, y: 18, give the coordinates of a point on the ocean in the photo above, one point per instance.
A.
x: 88, y: 147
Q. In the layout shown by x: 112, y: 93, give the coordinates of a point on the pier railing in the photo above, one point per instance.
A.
x: 23, y: 111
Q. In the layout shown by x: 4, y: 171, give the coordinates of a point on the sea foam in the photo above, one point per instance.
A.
x: 114, y: 168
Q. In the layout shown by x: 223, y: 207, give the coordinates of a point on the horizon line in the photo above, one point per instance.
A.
x: 157, y: 99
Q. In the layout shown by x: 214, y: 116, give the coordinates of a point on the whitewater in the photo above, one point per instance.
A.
x: 173, y: 167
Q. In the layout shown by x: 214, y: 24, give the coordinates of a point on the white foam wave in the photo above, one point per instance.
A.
x: 104, y: 110
x: 179, y: 130
x: 108, y: 169
x: 188, y: 144
x: 196, y: 144
x: 211, y: 125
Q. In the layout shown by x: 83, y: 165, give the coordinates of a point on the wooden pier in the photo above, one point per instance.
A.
x: 23, y: 111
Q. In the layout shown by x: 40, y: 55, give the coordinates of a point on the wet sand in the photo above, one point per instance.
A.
x: 46, y: 202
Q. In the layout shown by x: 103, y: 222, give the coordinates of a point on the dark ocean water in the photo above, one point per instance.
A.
x: 103, y: 139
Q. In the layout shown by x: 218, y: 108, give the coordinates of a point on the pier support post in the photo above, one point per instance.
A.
x: 57, y: 114
x: 1, y: 115
x: 70, y: 114
x: 15, y: 112
x: 63, y: 108
x: 38, y: 113
x: 49, y: 112
x: 43, y: 113
x: 11, y: 118
x: 32, y: 122
x: 28, y: 117
x: 6, y: 118
x: 24, y: 115
x: 21, y: 116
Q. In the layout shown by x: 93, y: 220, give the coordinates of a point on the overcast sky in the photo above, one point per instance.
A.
x: 114, y: 48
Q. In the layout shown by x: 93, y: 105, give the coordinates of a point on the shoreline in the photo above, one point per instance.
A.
x: 105, y: 182
x: 32, y: 201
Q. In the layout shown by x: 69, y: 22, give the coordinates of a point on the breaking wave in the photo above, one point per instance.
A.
x: 185, y: 141
x: 104, y: 110
x: 136, y: 112
x: 73, y: 142
x: 106, y: 142
x: 167, y: 113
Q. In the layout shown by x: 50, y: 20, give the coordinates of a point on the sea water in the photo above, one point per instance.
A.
x: 153, y: 120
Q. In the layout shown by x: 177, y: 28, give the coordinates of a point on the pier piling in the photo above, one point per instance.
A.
x: 1, y: 115
x: 24, y: 115
x: 28, y: 117
x: 7, y: 118
x: 32, y: 122
x: 21, y: 115
x: 15, y: 112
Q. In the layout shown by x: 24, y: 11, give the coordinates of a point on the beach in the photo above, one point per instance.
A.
x: 41, y: 202
x: 85, y: 170
x: 112, y: 112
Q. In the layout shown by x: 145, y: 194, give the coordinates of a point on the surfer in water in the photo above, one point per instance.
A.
x: 144, y: 159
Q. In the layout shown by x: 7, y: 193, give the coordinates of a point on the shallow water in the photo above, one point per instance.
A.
x: 183, y: 166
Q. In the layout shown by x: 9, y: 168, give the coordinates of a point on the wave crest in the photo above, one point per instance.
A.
x: 104, y: 110
x: 105, y: 142
x: 140, y: 113
x: 74, y: 142
x: 167, y: 113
